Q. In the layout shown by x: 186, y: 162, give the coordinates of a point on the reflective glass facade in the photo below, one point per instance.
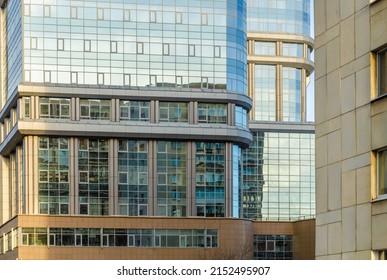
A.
x: 279, y: 16
x: 273, y: 247
x: 278, y: 176
x: 265, y: 92
x: 192, y: 44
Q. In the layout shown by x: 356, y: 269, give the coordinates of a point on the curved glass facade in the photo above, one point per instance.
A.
x: 279, y: 16
x: 188, y: 44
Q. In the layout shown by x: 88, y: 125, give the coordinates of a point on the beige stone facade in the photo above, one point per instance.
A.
x: 350, y: 117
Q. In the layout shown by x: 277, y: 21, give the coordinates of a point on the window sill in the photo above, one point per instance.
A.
x: 380, y: 97
x: 382, y: 197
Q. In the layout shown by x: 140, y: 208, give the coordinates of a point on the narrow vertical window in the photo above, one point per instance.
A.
x: 27, y: 9
x: 152, y: 16
x: 74, y: 12
x: 204, y: 19
x: 140, y: 48
x: 27, y: 107
x: 34, y: 43
x: 165, y: 49
x: 217, y: 51
x: 113, y: 46
x: 47, y: 11
x: 100, y: 14
x: 47, y: 76
x: 382, y: 172
x: 126, y: 15
x: 74, y: 77
x: 179, y: 18
x: 204, y: 82
x: 27, y: 75
x: 382, y: 72
x: 60, y: 44
x: 87, y: 45
x: 191, y: 50
x: 101, y: 78
x: 153, y: 80
x: 179, y: 81
x: 127, y: 79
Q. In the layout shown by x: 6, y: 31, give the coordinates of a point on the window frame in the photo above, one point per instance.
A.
x: 379, y: 55
x: 378, y: 154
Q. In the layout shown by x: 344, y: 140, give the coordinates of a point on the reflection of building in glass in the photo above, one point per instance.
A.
x: 278, y: 168
x: 123, y: 124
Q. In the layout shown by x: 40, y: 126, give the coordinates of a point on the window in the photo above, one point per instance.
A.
x: 54, y: 108
x: 87, y: 46
x: 47, y: 11
x: 292, y: 49
x: 140, y: 48
x: 153, y: 80
x: 113, y: 46
x: 100, y: 13
x: 126, y: 15
x: 134, y: 110
x: 204, y: 19
x: 191, y: 50
x: 127, y: 81
x: 47, y: 76
x: 74, y: 12
x: 217, y: 51
x: 179, y: 18
x: 212, y: 113
x: 173, y: 112
x: 74, y: 77
x: 27, y: 9
x: 382, y: 72
x: 34, y: 43
x: 204, y: 82
x: 264, y: 48
x: 27, y: 107
x: 94, y: 109
x: 152, y: 16
x: 101, y: 78
x: 382, y: 172
x: 179, y: 81
x: 165, y: 49
x: 60, y: 43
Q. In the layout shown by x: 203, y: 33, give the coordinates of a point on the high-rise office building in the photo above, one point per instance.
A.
x: 351, y: 114
x: 278, y: 167
x: 122, y: 129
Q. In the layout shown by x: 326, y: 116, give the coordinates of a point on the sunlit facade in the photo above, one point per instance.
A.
x: 123, y: 125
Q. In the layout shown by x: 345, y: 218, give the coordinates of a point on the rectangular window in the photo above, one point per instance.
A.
x: 27, y: 107
x: 94, y: 109
x: 179, y: 17
x: 74, y: 77
x: 217, y: 51
x: 47, y: 11
x: 34, y: 43
x: 101, y: 78
x: 264, y: 48
x: 204, y: 82
x: 140, y: 48
x: 152, y: 16
x: 179, y: 81
x: 134, y: 110
x: 54, y: 108
x: 47, y: 76
x: 127, y: 80
x: 126, y: 15
x: 204, y: 19
x: 60, y: 44
x: 191, y: 50
x: 113, y: 46
x: 74, y: 12
x: 27, y: 75
x: 27, y: 9
x: 382, y: 172
x: 100, y: 13
x: 87, y: 45
x: 173, y: 112
x: 382, y: 72
x: 153, y: 80
x: 165, y: 49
